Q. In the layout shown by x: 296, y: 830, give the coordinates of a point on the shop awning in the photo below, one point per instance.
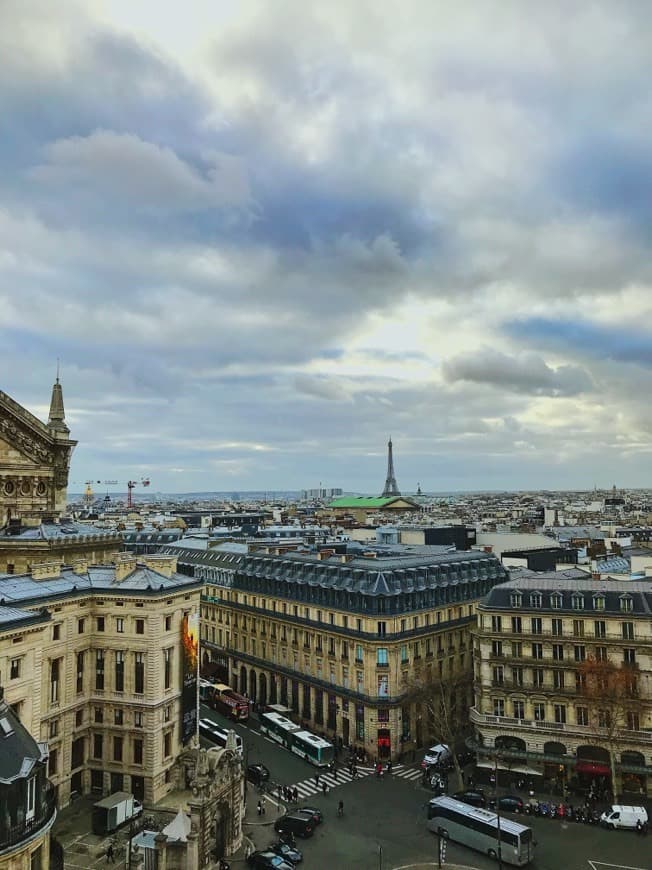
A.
x: 593, y: 768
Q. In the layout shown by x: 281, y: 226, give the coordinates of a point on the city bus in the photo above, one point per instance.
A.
x: 303, y: 743
x: 218, y: 735
x: 478, y: 829
x: 223, y: 699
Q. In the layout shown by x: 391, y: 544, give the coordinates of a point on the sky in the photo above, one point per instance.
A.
x: 264, y: 237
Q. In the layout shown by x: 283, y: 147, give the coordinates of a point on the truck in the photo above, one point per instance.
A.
x: 113, y: 811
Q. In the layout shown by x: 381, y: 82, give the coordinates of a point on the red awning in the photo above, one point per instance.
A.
x: 593, y: 768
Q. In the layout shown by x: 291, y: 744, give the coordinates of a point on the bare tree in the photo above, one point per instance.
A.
x: 610, y: 693
x: 445, y: 702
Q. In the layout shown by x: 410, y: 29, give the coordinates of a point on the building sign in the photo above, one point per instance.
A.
x: 189, y: 660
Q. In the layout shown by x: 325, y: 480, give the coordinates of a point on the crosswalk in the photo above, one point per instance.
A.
x: 312, y: 786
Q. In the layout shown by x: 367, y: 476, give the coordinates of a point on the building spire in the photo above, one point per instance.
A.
x: 391, y: 487
x: 57, y: 417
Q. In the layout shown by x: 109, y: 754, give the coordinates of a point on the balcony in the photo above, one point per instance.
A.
x: 585, y: 730
x: 44, y: 816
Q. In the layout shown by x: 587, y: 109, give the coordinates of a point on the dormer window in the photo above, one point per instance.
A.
x: 556, y: 601
x: 5, y: 727
x: 536, y: 599
x: 516, y: 599
x: 577, y: 601
x: 598, y: 602
x: 626, y: 603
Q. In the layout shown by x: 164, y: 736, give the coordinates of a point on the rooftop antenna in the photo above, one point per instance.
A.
x: 58, y: 368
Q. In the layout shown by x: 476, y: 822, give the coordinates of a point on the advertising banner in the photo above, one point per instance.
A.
x: 190, y: 661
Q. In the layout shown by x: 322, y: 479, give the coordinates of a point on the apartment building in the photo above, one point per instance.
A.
x: 91, y: 660
x: 340, y: 638
x: 563, y: 688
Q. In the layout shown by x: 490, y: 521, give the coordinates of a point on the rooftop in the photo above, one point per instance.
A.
x: 364, y: 502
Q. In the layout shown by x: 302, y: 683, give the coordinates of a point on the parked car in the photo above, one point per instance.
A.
x: 437, y: 756
x: 268, y: 861
x: 302, y: 826
x: 257, y: 773
x: 314, y: 812
x: 509, y: 803
x: 295, y: 856
x: 473, y: 797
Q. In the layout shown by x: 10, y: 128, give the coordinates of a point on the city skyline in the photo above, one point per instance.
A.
x: 259, y: 250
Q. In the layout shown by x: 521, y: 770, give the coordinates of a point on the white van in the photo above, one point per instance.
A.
x: 619, y: 816
x: 436, y: 756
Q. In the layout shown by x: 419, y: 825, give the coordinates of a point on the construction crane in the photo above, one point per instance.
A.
x: 144, y: 481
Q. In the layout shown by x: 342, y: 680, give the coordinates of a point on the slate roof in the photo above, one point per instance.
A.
x: 61, y: 531
x: 614, y: 563
x: 19, y: 752
x: 585, y: 589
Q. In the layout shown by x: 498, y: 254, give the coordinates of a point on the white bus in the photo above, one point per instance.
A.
x: 218, y: 735
x: 478, y: 829
x: 314, y: 749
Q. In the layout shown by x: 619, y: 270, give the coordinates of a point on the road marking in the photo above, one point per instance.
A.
x: 310, y: 788
x: 409, y: 774
x: 597, y: 864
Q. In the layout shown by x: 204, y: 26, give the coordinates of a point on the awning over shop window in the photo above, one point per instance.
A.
x: 593, y: 768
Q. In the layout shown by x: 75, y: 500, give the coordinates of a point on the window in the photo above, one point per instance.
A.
x: 497, y: 648
x: 359, y: 681
x: 14, y: 669
x: 55, y: 669
x: 496, y: 623
x: 99, y: 715
x: 345, y: 651
x: 536, y: 599
x: 167, y: 713
x: 404, y: 654
x: 167, y: 744
x: 383, y: 686
x: 98, y: 745
x: 557, y: 626
x: 140, y: 626
x: 498, y: 675
x: 519, y: 709
x: 517, y: 626
x: 537, y: 625
x: 117, y: 748
x: 598, y: 602
x: 604, y: 719
x: 99, y: 623
x: 517, y: 649
x: 626, y: 604
x: 601, y: 653
x: 358, y: 653
x: 53, y: 762
x: 54, y: 728
x: 381, y: 656
x: 628, y: 630
x: 629, y: 656
x: 539, y: 712
x: 120, y: 625
x: 537, y: 650
x: 558, y: 652
x: 578, y: 627
x: 633, y: 721
x: 168, y: 623
x: 556, y: 601
x: 560, y: 714
x: 580, y: 681
x: 139, y: 673
x: 138, y: 719
x: 80, y: 672
x: 382, y: 629
x: 56, y: 631
x: 577, y: 601
x: 331, y: 646
x: 31, y: 798
x: 499, y: 707
x: 600, y: 628
x: 167, y: 668
x: 515, y: 599
x: 537, y: 678
x: 558, y: 679
x: 517, y: 676
x: 138, y: 751
x: 81, y: 624
x: 119, y: 671
x: 580, y: 652
x: 119, y: 716
x: 582, y: 715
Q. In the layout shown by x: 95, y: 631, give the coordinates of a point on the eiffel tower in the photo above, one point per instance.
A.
x: 391, y: 487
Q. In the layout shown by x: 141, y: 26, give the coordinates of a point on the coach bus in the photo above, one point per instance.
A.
x: 479, y: 829
x: 211, y: 730
x: 303, y: 743
x: 223, y: 699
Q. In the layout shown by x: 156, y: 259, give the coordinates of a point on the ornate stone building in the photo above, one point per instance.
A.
x: 34, y: 468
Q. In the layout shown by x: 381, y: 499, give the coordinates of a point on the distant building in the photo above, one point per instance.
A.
x: 309, y: 494
x: 360, y: 507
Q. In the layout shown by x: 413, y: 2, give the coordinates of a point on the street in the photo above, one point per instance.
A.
x: 384, y: 823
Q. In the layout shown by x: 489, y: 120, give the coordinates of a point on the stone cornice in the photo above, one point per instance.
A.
x: 31, y: 437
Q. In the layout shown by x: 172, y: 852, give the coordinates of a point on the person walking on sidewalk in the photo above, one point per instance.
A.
x: 110, y: 856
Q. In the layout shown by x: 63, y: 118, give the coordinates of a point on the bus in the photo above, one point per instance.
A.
x: 478, y: 829
x: 223, y: 699
x: 303, y: 743
x: 212, y: 731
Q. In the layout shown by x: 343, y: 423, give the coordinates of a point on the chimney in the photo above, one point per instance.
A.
x: 165, y: 565
x: 46, y: 571
x: 326, y: 554
x: 346, y: 557
x: 125, y: 564
x: 488, y: 549
x: 369, y: 554
x: 596, y: 575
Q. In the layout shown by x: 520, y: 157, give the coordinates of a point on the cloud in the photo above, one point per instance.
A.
x: 526, y: 373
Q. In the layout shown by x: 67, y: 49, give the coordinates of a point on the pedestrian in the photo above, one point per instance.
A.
x: 639, y: 827
x: 317, y: 780
x: 324, y: 787
x: 260, y: 808
x: 110, y: 857
x: 296, y: 795
x: 389, y: 766
x: 340, y: 808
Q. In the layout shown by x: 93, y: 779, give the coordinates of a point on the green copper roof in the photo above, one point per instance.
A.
x: 363, y: 502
